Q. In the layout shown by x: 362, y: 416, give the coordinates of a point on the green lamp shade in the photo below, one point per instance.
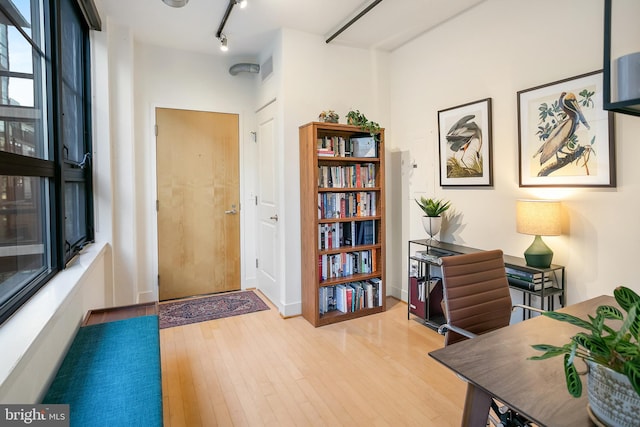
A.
x: 538, y: 254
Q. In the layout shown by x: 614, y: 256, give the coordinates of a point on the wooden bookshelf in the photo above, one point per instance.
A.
x: 323, y: 219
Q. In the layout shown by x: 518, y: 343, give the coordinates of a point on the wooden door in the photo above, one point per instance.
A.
x: 198, y: 202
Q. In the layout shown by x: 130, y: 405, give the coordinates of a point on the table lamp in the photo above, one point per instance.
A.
x: 538, y: 218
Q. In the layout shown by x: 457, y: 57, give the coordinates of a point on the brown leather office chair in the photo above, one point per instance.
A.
x: 475, y: 294
x: 477, y: 300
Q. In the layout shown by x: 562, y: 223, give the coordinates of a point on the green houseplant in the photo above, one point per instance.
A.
x: 610, y: 341
x: 356, y: 118
x: 433, y: 209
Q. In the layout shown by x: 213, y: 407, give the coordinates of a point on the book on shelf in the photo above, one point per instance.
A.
x: 332, y: 266
x: 529, y: 285
x: 325, y: 153
x: 350, y: 297
x: 377, y: 289
x: 366, y: 232
x: 347, y: 205
x: 346, y: 176
x: 343, y: 234
x: 523, y: 274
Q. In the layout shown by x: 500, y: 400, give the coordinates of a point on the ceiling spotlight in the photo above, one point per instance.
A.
x: 241, y: 3
x: 223, y: 43
x: 176, y: 3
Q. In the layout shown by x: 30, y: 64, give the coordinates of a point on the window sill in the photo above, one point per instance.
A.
x: 20, y: 333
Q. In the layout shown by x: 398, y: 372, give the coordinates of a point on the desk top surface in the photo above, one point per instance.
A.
x: 498, y: 363
x: 518, y: 262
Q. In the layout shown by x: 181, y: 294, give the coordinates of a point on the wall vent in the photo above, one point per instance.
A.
x: 266, y: 69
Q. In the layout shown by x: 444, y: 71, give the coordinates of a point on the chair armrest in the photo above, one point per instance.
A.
x: 527, y: 307
x: 447, y: 327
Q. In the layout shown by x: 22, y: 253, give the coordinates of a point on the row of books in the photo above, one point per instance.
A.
x: 350, y: 297
x: 340, y: 234
x: 347, y: 205
x: 338, y: 146
x: 330, y: 146
x: 332, y: 266
x: 349, y: 176
x: 529, y: 280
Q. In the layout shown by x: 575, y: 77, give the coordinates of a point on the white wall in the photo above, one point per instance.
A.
x: 495, y: 50
x: 122, y: 172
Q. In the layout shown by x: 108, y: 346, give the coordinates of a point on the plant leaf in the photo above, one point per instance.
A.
x: 628, y: 350
x: 609, y: 312
x: 625, y: 297
x: 550, y: 351
x: 574, y: 383
x: 627, y: 324
x: 564, y: 317
x: 632, y: 371
x: 634, y: 328
x: 594, y: 344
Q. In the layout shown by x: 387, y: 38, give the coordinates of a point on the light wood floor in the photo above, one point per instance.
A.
x: 259, y: 369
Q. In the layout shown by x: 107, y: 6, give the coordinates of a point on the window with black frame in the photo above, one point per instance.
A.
x: 45, y: 165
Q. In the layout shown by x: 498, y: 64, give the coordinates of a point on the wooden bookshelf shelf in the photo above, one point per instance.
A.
x: 353, y: 189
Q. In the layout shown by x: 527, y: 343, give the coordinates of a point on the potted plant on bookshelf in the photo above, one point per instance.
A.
x: 328, y: 116
x: 611, y: 351
x: 356, y: 118
x: 433, y: 209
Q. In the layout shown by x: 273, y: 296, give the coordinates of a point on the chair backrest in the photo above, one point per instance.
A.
x: 475, y: 293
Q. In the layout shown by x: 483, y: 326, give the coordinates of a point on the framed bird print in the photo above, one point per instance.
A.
x: 565, y: 138
x: 465, y: 145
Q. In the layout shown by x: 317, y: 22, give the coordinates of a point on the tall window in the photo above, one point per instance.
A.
x: 45, y: 165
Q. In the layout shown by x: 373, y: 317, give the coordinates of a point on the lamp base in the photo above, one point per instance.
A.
x: 538, y: 255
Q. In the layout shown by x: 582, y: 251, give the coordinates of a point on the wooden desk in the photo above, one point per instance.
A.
x: 496, y: 365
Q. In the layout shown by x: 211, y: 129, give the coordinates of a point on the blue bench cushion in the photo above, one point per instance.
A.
x: 111, y: 375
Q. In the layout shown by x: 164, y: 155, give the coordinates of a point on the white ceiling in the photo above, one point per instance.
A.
x: 193, y: 27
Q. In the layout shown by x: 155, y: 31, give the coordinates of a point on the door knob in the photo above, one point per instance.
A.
x: 231, y: 212
x: 275, y: 217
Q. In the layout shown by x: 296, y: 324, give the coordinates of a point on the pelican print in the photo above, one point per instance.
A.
x: 565, y: 129
x: 460, y: 136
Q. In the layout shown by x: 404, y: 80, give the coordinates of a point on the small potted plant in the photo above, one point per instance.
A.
x: 356, y: 118
x: 612, y: 355
x: 433, y: 209
x: 328, y: 116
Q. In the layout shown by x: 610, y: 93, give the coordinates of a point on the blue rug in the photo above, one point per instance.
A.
x: 111, y: 375
x: 184, y: 312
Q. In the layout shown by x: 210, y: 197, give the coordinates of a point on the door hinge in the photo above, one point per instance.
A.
x: 256, y: 200
x: 155, y: 129
x: 157, y: 205
x: 256, y: 262
x: 158, y: 280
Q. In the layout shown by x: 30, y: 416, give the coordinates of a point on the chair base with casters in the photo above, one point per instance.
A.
x: 476, y: 300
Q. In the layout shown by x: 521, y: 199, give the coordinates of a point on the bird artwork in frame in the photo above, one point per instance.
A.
x: 565, y: 137
x: 465, y: 145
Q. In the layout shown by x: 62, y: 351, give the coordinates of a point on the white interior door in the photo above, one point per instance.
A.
x: 268, y: 226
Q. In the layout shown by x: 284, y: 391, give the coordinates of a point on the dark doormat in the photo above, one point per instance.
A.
x: 201, y: 309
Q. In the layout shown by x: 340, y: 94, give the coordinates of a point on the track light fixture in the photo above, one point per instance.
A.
x: 223, y: 43
x: 176, y: 3
x: 227, y: 12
